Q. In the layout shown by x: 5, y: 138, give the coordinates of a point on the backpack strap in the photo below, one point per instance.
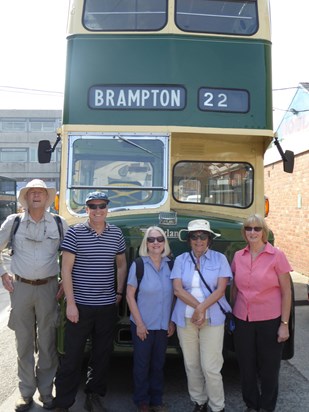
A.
x: 60, y: 227
x: 12, y: 234
x: 171, y: 264
x: 139, y: 273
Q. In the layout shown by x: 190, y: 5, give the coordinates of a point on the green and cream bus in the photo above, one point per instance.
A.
x: 167, y: 109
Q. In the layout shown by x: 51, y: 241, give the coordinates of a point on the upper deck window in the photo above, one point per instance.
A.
x: 217, y: 16
x: 125, y: 15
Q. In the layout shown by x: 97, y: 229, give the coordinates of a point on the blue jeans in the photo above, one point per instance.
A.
x: 148, y: 366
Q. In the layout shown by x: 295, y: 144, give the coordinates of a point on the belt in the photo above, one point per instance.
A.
x: 36, y: 282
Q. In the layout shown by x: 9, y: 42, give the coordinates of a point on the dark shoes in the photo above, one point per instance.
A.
x: 61, y: 410
x: 23, y: 404
x: 48, y: 402
x: 200, y: 408
x: 94, y: 403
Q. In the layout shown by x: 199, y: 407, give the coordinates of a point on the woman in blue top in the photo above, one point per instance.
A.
x: 199, y: 319
x: 150, y: 319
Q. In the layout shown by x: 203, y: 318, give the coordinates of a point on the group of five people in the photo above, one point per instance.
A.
x: 188, y: 295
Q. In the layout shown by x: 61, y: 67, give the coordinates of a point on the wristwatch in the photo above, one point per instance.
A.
x: 284, y: 322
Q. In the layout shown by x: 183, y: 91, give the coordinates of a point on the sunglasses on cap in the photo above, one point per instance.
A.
x: 152, y: 239
x: 100, y: 206
x: 255, y: 228
x: 202, y: 236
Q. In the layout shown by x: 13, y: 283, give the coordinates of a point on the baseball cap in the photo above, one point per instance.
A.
x: 97, y: 196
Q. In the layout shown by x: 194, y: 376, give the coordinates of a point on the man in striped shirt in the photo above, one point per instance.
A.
x: 89, y: 253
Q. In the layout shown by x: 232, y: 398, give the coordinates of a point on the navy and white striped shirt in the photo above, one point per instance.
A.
x: 93, y: 273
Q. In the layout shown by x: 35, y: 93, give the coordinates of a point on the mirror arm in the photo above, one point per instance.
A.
x: 276, y: 142
x: 52, y: 149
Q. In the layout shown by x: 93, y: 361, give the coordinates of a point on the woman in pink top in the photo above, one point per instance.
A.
x: 261, y: 305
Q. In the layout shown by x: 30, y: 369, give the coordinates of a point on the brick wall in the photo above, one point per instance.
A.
x: 289, y: 210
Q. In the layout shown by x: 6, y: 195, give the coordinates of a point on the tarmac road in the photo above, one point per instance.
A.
x: 294, y: 375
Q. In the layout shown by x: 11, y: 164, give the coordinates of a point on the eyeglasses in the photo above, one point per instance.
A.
x: 152, y: 239
x: 92, y: 206
x: 255, y: 228
x: 202, y: 236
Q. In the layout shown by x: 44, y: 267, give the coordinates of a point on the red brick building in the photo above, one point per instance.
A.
x: 289, y: 193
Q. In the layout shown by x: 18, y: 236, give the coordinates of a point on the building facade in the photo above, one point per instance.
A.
x: 288, y: 193
x: 20, y: 132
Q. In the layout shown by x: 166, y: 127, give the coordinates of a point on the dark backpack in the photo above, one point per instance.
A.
x: 140, y: 271
x: 16, y: 225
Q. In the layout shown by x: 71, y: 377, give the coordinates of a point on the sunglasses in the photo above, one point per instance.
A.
x: 152, y: 239
x: 202, y: 236
x: 255, y: 228
x: 100, y: 206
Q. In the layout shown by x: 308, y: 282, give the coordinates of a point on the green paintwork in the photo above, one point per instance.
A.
x: 190, y: 61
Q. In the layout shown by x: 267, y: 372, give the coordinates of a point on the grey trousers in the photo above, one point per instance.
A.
x: 34, y: 310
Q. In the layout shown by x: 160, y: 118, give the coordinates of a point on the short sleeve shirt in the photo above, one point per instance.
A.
x: 213, y: 265
x: 258, y: 288
x: 155, y: 294
x: 93, y: 273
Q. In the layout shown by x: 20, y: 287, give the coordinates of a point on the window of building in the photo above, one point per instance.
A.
x: 125, y: 15
x: 43, y: 125
x: 14, y: 125
x: 14, y: 155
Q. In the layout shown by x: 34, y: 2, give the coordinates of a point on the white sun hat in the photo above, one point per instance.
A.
x: 39, y: 184
x: 201, y: 225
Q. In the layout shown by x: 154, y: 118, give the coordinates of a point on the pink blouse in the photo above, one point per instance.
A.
x: 258, y: 289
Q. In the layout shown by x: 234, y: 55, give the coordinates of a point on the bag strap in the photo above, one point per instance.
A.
x: 12, y: 233
x: 139, y: 273
x: 204, y: 281
x: 58, y: 220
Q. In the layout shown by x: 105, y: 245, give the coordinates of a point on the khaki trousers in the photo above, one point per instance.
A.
x: 203, y: 359
x: 35, y: 309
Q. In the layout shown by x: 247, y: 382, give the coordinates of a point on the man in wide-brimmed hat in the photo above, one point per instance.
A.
x: 33, y: 287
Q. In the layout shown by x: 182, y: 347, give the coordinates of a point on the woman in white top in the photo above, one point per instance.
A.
x: 199, y: 318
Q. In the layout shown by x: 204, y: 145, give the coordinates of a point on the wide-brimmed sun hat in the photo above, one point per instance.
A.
x: 97, y: 196
x: 39, y: 184
x: 201, y: 225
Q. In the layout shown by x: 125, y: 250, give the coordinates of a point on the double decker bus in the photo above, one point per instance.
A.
x: 8, y: 201
x: 167, y: 109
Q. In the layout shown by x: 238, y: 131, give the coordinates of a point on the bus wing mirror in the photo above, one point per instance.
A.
x: 288, y: 161
x: 287, y: 157
x: 44, y: 151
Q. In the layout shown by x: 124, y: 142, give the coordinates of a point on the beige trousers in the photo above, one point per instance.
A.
x: 203, y: 359
x: 34, y: 311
